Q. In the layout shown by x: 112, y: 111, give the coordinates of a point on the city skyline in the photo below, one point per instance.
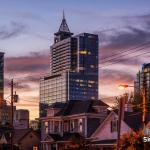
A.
x: 18, y: 36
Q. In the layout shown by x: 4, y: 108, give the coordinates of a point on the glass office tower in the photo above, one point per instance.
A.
x: 73, y: 68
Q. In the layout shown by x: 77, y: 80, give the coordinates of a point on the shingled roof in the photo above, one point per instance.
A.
x: 133, y: 120
x: 78, y: 107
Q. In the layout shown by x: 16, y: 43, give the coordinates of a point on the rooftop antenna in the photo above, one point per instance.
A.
x: 63, y: 14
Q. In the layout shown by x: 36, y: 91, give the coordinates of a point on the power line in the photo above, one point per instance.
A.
x: 143, y: 44
x: 123, y: 60
x: 131, y: 52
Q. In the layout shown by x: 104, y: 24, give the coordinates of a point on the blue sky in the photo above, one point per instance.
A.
x: 37, y: 20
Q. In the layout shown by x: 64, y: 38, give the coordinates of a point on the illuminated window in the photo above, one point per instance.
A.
x: 90, y: 81
x: 92, y: 66
x: 83, y: 52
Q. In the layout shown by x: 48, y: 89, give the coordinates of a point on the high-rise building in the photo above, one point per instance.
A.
x: 141, y: 86
x: 143, y: 82
x: 1, y: 78
x: 73, y: 68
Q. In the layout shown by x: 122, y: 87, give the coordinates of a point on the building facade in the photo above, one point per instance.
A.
x: 73, y: 68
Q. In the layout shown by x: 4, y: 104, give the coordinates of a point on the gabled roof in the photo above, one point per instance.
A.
x: 19, y: 134
x: 73, y: 107
x: 132, y: 119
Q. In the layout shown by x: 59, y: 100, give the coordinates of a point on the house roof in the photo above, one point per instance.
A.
x: 57, y: 105
x: 132, y: 119
x: 78, y: 107
x: 19, y: 134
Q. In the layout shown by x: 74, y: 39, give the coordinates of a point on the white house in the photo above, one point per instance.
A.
x: 106, y: 134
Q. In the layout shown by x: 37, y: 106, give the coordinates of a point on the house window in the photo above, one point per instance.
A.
x: 114, y: 125
x: 72, y: 125
x: 56, y: 126
x: 46, y: 127
x: 80, y: 125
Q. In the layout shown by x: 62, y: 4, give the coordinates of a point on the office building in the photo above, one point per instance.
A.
x: 73, y: 68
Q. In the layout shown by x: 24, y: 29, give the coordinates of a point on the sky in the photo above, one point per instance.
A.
x: 27, y: 30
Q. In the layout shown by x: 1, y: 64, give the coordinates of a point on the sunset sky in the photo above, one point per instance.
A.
x: 26, y: 33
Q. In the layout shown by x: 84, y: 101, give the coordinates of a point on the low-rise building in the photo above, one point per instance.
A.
x: 67, y: 120
x: 34, y: 124
x: 21, y: 119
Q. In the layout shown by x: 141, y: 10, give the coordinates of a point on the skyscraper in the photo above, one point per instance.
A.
x: 73, y: 68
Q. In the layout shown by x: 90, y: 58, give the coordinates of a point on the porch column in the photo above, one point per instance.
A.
x: 56, y: 146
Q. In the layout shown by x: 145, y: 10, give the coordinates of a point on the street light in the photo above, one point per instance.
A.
x: 124, y: 86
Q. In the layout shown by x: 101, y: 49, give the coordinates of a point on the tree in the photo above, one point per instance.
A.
x: 133, y: 141
x: 78, y: 142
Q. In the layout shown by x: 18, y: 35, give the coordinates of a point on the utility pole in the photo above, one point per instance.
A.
x: 12, y: 113
x: 144, y: 100
x: 122, y: 101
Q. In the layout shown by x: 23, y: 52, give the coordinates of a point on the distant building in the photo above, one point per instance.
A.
x: 34, y: 124
x: 1, y: 78
x: 143, y: 82
x: 66, y: 120
x: 21, y: 119
x: 73, y: 68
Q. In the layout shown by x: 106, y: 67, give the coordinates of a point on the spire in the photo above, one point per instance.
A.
x: 63, y: 14
x: 63, y: 31
x: 64, y: 27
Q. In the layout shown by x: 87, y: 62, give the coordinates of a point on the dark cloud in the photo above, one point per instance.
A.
x: 34, y: 63
x: 126, y: 39
x: 131, y: 38
x: 114, y: 76
x: 13, y: 30
x: 18, y: 85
